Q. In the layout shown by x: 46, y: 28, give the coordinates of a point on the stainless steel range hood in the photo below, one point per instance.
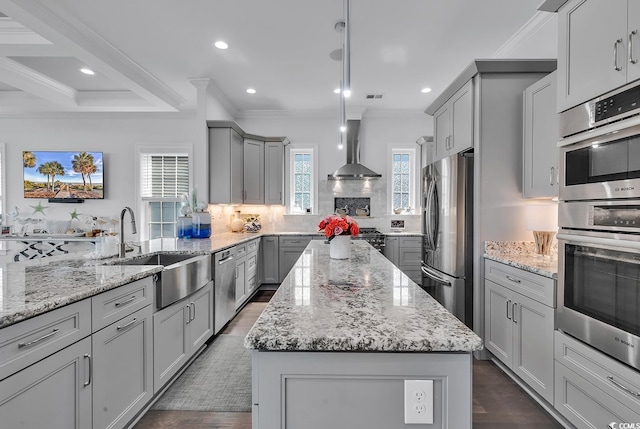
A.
x: 353, y: 170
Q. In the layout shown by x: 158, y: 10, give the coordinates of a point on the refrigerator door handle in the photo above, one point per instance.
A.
x: 434, y: 276
x: 431, y: 208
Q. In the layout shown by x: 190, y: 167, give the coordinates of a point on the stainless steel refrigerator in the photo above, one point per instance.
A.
x: 447, y: 234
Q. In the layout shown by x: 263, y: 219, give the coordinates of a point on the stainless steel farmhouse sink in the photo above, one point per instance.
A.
x: 182, y: 274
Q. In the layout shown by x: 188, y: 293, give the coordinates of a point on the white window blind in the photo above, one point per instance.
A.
x: 164, y: 175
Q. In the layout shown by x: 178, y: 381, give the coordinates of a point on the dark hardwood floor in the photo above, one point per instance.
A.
x: 498, y: 402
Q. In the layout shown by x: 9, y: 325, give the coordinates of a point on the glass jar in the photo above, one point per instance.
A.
x: 201, y: 227
x: 184, y: 227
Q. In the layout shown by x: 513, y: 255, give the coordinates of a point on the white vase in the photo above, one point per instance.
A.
x: 340, y: 247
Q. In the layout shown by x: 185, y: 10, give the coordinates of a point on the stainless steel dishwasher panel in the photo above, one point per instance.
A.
x: 224, y: 267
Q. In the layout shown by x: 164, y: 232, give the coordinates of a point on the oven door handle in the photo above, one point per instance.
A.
x: 599, y: 241
x: 435, y: 277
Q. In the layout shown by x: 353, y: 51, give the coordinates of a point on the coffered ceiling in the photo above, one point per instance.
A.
x: 144, y: 52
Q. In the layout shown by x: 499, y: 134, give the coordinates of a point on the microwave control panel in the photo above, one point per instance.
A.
x: 617, y: 104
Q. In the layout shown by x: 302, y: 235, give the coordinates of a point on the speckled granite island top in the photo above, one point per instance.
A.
x: 364, y: 303
x: 35, y: 287
x: 522, y: 254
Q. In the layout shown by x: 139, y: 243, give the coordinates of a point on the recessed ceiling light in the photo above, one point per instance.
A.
x: 425, y: 90
x: 336, y: 91
x: 221, y: 45
x: 251, y: 91
x: 87, y: 71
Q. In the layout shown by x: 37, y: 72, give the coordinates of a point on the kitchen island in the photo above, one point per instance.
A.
x: 339, y: 338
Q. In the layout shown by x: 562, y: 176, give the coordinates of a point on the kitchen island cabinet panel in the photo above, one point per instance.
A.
x: 122, y: 369
x: 53, y: 393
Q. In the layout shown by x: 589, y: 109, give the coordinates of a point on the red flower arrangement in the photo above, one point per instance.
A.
x: 333, y: 225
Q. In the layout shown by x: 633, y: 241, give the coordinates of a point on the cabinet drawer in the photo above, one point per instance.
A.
x: 295, y: 241
x: 117, y: 303
x: 252, y: 246
x: 241, y: 250
x: 252, y: 264
x: 584, y: 405
x: 534, y: 286
x: 411, y: 242
x: 29, y: 341
x: 409, y: 258
x: 598, y: 369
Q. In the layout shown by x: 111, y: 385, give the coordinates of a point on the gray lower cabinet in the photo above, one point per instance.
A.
x: 591, y: 389
x: 518, y: 329
x: 406, y: 254
x: 269, y: 257
x: 122, y: 369
x: 53, y: 393
x: 241, y: 280
x: 391, y: 249
x: 179, y: 330
x: 290, y: 249
x: 246, y: 271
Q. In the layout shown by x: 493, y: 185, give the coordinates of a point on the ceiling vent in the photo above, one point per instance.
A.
x: 373, y: 96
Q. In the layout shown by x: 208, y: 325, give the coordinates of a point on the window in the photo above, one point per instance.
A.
x: 164, y: 178
x: 2, y: 186
x: 302, y: 183
x: 402, y: 179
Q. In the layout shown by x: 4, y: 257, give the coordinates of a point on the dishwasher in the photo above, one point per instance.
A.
x: 224, y: 268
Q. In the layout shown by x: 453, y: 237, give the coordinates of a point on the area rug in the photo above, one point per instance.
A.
x: 218, y: 380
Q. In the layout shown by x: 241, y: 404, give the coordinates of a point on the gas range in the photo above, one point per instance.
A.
x: 373, y: 237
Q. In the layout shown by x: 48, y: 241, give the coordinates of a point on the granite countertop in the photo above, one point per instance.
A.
x: 364, y: 303
x: 522, y: 254
x: 35, y: 287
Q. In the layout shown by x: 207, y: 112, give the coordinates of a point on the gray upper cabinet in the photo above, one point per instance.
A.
x: 253, y: 172
x: 226, y: 166
x: 453, y: 123
x: 593, y: 54
x: 540, y: 136
x: 274, y: 173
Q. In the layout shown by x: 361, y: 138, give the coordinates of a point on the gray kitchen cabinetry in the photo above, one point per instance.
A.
x: 53, y: 393
x: 290, y: 248
x: 253, y: 172
x: 519, y: 324
x: 269, y: 258
x: 591, y: 389
x: 274, y: 172
x: 540, y: 137
x: 453, y: 123
x: 406, y: 254
x: 226, y: 166
x: 246, y: 270
x: 122, y: 369
x: 599, y: 48
x: 179, y: 331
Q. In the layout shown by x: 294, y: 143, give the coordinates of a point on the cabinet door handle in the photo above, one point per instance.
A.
x: 551, y: 175
x: 631, y: 59
x: 514, y: 308
x: 192, y: 305
x: 126, y: 301
x: 188, y: 307
x: 508, y: 306
x: 120, y: 328
x: 626, y: 389
x: 513, y: 279
x: 88, y: 356
x: 236, y: 273
x: 616, y: 67
x: 37, y: 340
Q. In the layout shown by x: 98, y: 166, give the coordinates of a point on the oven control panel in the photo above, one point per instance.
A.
x: 620, y: 216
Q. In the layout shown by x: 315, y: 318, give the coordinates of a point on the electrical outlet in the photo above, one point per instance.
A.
x: 418, y: 402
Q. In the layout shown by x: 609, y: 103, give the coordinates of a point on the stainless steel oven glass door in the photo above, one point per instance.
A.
x: 602, y: 167
x: 599, y: 292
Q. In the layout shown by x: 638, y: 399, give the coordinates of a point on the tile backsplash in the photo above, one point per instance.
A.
x: 275, y: 219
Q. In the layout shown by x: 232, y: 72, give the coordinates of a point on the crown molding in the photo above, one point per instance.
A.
x: 354, y: 113
x: 214, y: 90
x: 528, y: 30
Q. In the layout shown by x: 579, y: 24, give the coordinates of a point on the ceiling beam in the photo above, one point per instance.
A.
x: 21, y: 77
x: 80, y: 41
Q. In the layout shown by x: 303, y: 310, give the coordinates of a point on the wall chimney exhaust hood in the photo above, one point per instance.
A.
x: 353, y: 170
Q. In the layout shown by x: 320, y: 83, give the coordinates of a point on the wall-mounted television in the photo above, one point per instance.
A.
x: 63, y: 176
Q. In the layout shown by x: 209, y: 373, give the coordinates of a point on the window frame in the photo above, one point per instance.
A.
x: 290, y: 152
x: 414, y: 174
x: 143, y: 202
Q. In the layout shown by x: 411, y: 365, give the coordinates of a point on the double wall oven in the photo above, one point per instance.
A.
x: 599, y: 221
